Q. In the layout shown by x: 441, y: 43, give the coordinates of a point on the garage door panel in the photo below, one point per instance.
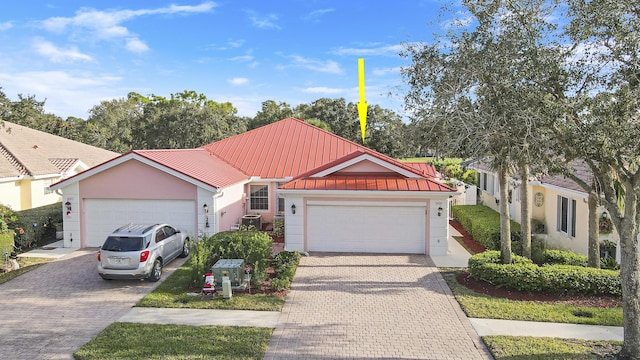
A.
x: 358, y: 228
x: 102, y: 216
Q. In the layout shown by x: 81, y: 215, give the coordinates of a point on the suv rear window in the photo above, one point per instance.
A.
x: 124, y: 243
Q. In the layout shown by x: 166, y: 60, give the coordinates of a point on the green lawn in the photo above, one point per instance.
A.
x: 486, y: 307
x: 534, y: 348
x: 172, y: 293
x: 145, y: 341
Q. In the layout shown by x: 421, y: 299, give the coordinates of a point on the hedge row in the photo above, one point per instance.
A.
x: 483, y: 224
x: 524, y: 275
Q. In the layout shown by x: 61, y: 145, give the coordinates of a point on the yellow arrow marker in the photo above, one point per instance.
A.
x: 362, y: 105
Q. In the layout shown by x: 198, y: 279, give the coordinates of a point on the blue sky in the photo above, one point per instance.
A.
x: 74, y: 54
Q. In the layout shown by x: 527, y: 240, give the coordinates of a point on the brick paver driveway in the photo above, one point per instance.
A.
x: 48, y: 313
x: 345, y: 306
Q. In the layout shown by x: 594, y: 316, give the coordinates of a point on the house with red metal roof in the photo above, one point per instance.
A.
x: 334, y: 195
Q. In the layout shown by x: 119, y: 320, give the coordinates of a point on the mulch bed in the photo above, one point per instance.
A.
x: 472, y: 245
x: 483, y: 287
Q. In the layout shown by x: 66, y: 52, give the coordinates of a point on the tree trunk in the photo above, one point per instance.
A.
x: 630, y: 275
x: 505, y: 225
x: 525, y: 216
x: 594, y: 231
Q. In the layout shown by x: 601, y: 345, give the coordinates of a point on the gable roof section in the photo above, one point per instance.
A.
x: 28, y: 152
x: 328, y: 177
x: 197, y: 166
x: 288, y: 148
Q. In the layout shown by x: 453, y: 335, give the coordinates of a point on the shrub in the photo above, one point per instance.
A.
x: 278, y: 227
x: 563, y: 257
x: 523, y: 275
x: 252, y: 246
x: 285, y: 264
x: 280, y: 284
x: 483, y: 224
x: 38, y: 223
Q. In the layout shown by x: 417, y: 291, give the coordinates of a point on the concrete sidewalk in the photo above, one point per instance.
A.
x: 202, y: 317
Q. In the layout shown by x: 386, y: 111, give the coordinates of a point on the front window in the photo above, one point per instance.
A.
x: 566, y: 222
x: 259, y: 197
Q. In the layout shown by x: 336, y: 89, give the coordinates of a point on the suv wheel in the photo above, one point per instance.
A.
x: 185, y: 249
x: 156, y: 272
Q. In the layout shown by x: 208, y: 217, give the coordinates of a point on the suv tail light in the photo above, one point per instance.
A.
x: 144, y: 255
x: 98, y: 255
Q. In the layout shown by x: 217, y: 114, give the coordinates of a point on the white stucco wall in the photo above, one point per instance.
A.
x: 71, y: 222
x: 438, y: 234
x: 294, y: 224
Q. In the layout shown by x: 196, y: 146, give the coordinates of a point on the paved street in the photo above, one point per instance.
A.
x: 50, y: 312
x: 346, y: 306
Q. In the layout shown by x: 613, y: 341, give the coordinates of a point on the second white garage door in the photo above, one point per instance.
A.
x: 102, y: 216
x: 372, y: 228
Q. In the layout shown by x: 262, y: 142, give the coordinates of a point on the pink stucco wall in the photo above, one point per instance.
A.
x: 135, y: 180
x: 365, y: 166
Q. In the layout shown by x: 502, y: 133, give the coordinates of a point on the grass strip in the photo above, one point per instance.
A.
x: 541, y: 348
x: 172, y: 293
x: 152, y: 341
x: 483, y: 306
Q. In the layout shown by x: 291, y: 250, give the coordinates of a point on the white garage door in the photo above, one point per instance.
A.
x: 372, y: 228
x: 102, y: 216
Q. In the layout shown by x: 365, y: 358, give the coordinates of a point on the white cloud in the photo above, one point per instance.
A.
x: 236, y: 43
x: 6, y: 25
x: 136, y: 45
x: 373, y: 51
x: 315, y: 16
x: 238, y: 81
x: 323, y: 90
x: 49, y: 50
x: 66, y: 94
x: 97, y: 24
x: 263, y: 21
x: 328, y: 66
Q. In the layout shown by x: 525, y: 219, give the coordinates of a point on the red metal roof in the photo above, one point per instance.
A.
x: 198, y: 164
x: 288, y: 148
x: 361, y: 182
x: 425, y: 168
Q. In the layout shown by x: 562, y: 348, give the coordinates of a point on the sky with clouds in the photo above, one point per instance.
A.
x: 74, y: 54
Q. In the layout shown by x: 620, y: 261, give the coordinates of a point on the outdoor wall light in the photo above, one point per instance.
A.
x: 293, y: 208
x: 205, y: 207
x: 68, y: 206
x: 440, y: 211
x: 605, y: 215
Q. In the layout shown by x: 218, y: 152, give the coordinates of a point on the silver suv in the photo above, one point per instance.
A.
x: 140, y: 251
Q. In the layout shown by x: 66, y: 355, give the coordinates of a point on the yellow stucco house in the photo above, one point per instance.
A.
x: 557, y: 202
x: 31, y: 160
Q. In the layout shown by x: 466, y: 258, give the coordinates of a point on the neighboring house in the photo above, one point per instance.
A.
x: 333, y: 194
x: 556, y: 201
x: 31, y: 160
